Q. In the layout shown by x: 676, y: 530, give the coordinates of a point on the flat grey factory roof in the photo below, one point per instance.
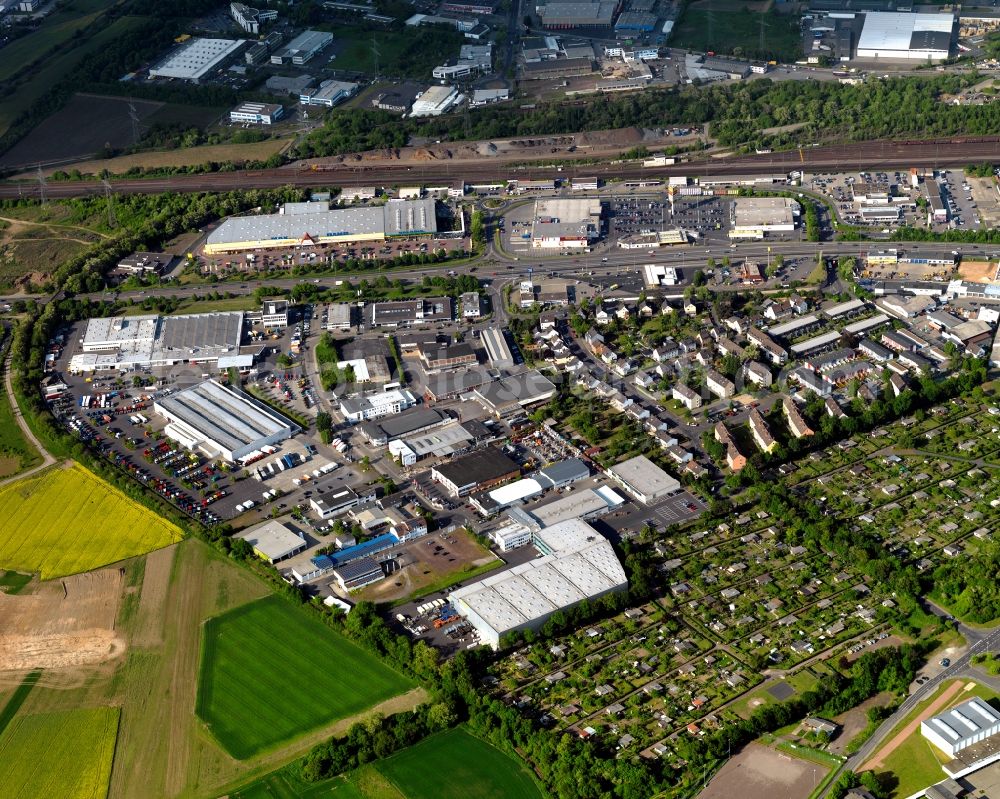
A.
x: 194, y: 331
x: 408, y: 421
x: 567, y: 470
x: 222, y: 414
x: 394, y: 218
x: 477, y: 467
x: 645, y: 476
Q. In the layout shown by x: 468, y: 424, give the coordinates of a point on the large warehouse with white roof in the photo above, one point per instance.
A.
x: 962, y: 726
x: 395, y: 218
x: 137, y: 342
x: 578, y: 563
x: 221, y: 421
x: 195, y: 58
x: 913, y: 37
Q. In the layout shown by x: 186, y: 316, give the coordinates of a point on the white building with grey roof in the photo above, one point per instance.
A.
x: 221, y: 421
x: 338, y: 225
x: 964, y: 725
x: 577, y: 563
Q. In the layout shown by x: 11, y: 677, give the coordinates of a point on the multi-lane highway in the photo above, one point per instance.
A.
x: 862, y: 156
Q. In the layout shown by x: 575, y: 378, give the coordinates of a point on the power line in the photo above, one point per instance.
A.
x: 112, y: 220
x: 41, y: 183
x: 376, y: 54
x: 133, y: 115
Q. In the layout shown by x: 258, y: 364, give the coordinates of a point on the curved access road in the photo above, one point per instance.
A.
x: 47, y: 459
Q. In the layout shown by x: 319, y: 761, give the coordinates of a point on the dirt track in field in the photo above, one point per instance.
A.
x: 64, y: 624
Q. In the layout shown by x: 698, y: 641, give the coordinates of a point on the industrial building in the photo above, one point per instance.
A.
x: 436, y: 100
x: 475, y: 472
x: 754, y: 217
x: 409, y: 422
x: 907, y: 36
x: 566, y: 224
x: 508, y: 395
x: 632, y: 22
x: 372, y: 406
x: 273, y: 541
x: 221, y: 421
x: 439, y: 357
x: 358, y: 573
x: 577, y: 564
x: 497, y: 350
x: 323, y: 226
x: 556, y: 15
x: 511, y: 536
x: 657, y: 275
x: 249, y: 113
x: 554, y: 69
x: 328, y: 94
x: 441, y: 441
x: 302, y: 48
x: 404, y: 313
x: 643, y: 479
x: 251, y: 19
x: 195, y: 58
x: 399, y: 98
x: 126, y: 343
x: 964, y: 725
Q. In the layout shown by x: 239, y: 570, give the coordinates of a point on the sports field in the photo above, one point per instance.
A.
x: 732, y: 29
x: 270, y: 672
x: 450, y: 765
x: 65, y: 754
x: 474, y: 769
x: 65, y: 521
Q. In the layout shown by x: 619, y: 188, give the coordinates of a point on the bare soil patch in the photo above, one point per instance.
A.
x: 762, y: 773
x: 63, y: 624
x: 854, y: 721
x: 978, y: 271
x: 568, y: 145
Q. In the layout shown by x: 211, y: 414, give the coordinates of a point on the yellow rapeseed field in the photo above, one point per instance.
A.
x: 65, y: 521
x: 59, y: 754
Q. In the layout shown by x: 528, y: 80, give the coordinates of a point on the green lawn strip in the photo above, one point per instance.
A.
x: 270, y: 673
x: 457, y: 765
x: 810, y: 754
x: 17, y: 699
x: 13, y: 582
x: 286, y: 784
x: 12, y: 440
x: 914, y: 764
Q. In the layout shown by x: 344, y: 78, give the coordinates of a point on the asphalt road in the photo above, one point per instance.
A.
x: 878, y: 155
x: 980, y: 640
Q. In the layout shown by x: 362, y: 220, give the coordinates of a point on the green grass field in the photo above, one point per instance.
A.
x: 65, y: 521
x: 270, y: 672
x: 59, y: 754
x: 736, y: 31
x: 450, y: 765
x: 53, y: 33
x: 412, y: 53
x: 56, y: 68
x: 474, y: 770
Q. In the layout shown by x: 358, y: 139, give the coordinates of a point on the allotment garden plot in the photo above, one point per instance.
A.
x: 269, y: 672
x: 67, y: 520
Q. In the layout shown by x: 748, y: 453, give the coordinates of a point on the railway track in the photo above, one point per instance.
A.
x: 950, y: 152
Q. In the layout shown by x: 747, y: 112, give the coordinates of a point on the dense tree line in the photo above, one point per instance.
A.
x: 877, y: 109
x: 969, y: 587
